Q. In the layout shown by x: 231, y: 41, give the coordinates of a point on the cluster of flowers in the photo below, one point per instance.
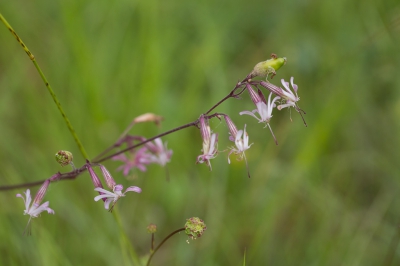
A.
x: 156, y: 152
x: 285, y: 96
x: 107, y: 196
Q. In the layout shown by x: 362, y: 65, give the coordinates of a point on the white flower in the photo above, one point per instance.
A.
x: 115, y: 195
x: 263, y: 109
x: 241, y: 144
x: 35, y: 209
x: 210, y: 143
x: 291, y: 98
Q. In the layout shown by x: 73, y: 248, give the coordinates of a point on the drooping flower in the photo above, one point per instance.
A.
x: 210, y: 143
x: 264, y: 109
x: 242, y: 144
x: 286, y: 94
x: 159, y: 152
x: 115, y: 195
x: 35, y: 209
x: 290, y: 97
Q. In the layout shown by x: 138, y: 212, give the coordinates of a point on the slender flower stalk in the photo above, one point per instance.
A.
x: 162, y: 242
x: 53, y: 95
x: 194, y: 228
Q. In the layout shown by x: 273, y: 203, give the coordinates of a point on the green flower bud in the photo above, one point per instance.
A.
x: 195, y: 227
x: 64, y: 158
x: 151, y: 228
x: 265, y: 68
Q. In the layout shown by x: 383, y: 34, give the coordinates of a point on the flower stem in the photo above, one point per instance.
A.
x: 152, y: 242
x: 162, y: 242
x: 230, y: 95
x: 147, y: 140
x: 73, y: 174
x: 53, y: 95
x: 124, y: 240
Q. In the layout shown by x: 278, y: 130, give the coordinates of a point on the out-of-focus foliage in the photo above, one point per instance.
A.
x: 327, y: 195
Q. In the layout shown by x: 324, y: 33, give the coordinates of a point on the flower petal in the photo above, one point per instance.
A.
x: 134, y: 189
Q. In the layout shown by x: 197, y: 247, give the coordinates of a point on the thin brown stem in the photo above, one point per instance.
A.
x: 162, y: 242
x: 230, y: 95
x: 75, y: 173
x: 152, y: 242
x: 148, y: 140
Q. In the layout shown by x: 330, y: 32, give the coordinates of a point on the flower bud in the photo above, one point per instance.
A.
x: 64, y: 158
x: 195, y: 227
x: 148, y: 117
x: 151, y: 228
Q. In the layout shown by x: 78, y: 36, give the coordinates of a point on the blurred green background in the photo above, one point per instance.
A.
x: 328, y: 194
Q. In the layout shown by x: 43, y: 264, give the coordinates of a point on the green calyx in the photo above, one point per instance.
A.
x: 268, y: 67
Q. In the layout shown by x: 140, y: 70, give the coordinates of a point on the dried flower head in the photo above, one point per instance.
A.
x: 64, y: 157
x: 148, y: 117
x: 195, y: 227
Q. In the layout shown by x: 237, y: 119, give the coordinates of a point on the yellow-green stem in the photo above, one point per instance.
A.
x: 126, y: 245
x: 53, y: 95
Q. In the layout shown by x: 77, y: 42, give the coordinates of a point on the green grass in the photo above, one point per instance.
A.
x: 327, y: 195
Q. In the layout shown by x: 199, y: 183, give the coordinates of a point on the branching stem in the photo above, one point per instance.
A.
x: 53, y: 95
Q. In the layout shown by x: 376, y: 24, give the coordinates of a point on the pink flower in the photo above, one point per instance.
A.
x: 286, y: 94
x: 291, y: 98
x: 264, y: 109
x: 242, y: 144
x: 138, y: 160
x: 210, y: 143
x: 160, y: 153
x: 115, y: 195
x: 35, y: 209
